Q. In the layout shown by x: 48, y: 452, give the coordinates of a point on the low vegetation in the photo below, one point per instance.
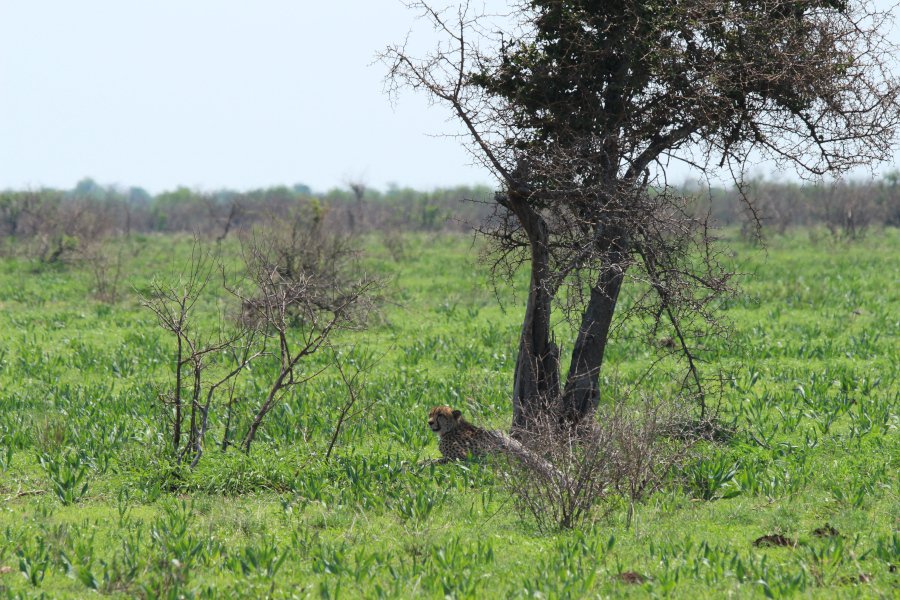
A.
x: 791, y: 489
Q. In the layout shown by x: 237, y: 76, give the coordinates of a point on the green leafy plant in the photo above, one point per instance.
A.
x: 68, y: 475
x: 263, y: 559
x: 34, y: 560
x: 706, y: 479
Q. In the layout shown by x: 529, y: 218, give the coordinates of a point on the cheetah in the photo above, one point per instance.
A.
x: 459, y: 439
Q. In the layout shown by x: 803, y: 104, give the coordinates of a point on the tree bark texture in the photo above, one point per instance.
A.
x: 536, y: 381
x: 582, y: 392
x: 536, y: 389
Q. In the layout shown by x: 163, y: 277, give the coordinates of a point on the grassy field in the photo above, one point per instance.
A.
x: 90, y: 499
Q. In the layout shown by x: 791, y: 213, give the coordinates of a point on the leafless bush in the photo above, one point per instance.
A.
x: 201, y: 357
x: 302, y: 285
x: 52, y: 228
x: 303, y: 238
x: 353, y: 370
x: 105, y: 262
x: 395, y: 244
x: 848, y: 211
x: 304, y: 289
x: 621, y: 456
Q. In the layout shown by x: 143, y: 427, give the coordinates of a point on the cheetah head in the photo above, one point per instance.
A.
x: 443, y: 419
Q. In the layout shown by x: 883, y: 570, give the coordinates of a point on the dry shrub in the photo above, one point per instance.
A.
x: 305, y: 283
x: 105, y: 262
x: 622, y: 455
x: 304, y: 269
x: 395, y: 244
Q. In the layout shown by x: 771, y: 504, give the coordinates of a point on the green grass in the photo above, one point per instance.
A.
x: 89, y: 499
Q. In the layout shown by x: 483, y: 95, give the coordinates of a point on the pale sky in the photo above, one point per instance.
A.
x: 213, y: 94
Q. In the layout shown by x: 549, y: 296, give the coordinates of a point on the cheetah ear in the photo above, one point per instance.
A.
x: 457, y: 414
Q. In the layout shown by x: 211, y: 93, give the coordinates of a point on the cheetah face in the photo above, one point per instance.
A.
x: 443, y: 419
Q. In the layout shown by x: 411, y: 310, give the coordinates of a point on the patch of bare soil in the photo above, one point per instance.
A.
x: 631, y: 577
x: 773, y: 540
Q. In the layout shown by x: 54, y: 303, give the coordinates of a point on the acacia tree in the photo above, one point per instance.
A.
x: 580, y: 107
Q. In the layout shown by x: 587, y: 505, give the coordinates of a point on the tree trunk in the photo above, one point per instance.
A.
x: 536, y: 383
x: 536, y: 388
x: 582, y: 392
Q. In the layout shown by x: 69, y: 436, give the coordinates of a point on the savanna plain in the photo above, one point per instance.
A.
x: 797, y: 496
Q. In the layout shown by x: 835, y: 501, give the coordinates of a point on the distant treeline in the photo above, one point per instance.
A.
x: 56, y: 219
x: 126, y: 210
x: 846, y: 208
x: 52, y: 224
